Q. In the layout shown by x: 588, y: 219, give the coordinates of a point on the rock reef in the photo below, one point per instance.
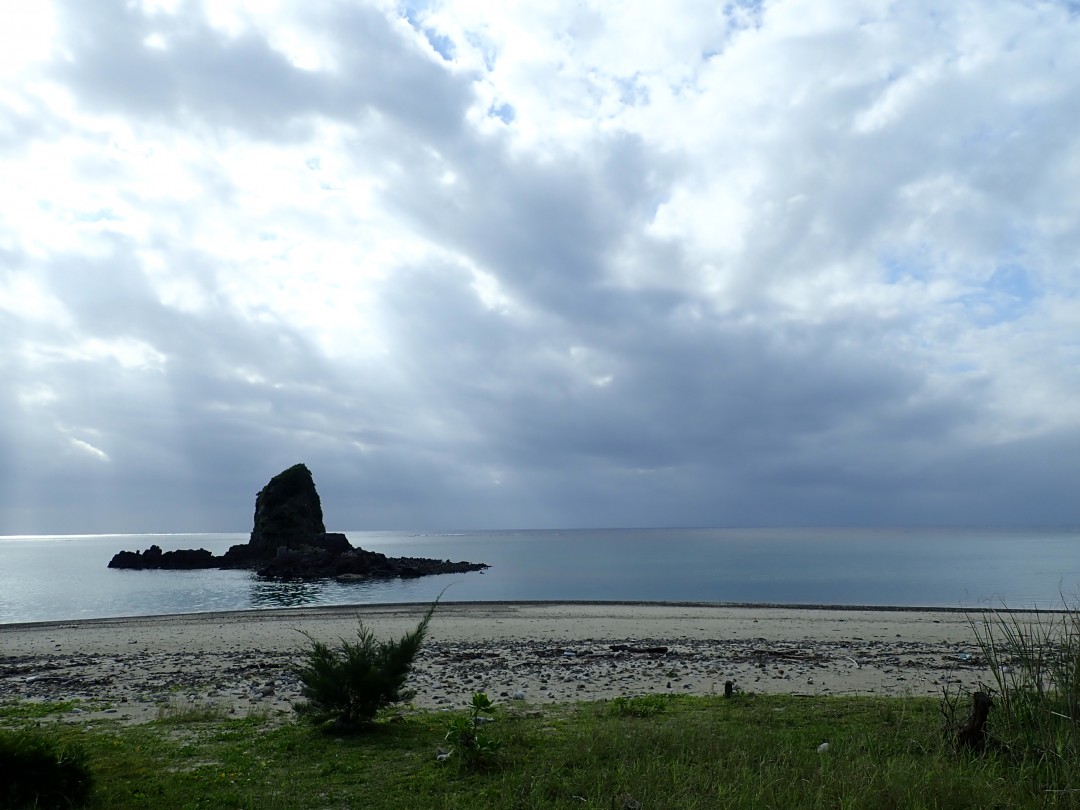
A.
x: 154, y: 557
x: 289, y: 541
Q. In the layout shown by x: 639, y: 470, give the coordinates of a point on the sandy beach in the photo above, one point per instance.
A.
x: 127, y: 669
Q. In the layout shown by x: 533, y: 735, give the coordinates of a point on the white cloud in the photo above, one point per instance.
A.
x: 22, y: 296
x: 36, y: 396
x: 26, y: 34
x: 89, y: 449
x: 126, y: 353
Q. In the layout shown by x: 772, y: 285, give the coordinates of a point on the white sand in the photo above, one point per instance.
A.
x: 550, y: 651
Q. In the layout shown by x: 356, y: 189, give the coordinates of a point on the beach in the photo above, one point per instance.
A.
x: 134, y: 669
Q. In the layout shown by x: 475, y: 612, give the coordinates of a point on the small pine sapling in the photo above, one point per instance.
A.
x: 351, y: 682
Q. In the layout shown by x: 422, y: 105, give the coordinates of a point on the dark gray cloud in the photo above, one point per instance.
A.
x: 202, y: 74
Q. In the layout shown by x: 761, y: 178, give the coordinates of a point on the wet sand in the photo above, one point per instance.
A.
x: 539, y: 652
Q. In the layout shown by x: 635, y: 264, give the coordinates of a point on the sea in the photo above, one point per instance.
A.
x: 59, y: 578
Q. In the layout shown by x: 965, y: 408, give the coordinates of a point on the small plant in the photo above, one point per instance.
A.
x: 350, y: 683
x: 641, y: 706
x: 177, y: 711
x: 38, y: 771
x: 467, y: 737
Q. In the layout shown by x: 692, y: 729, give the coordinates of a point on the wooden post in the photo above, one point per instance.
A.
x: 972, y: 735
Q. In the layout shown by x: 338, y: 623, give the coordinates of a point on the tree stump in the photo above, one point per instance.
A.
x: 972, y: 734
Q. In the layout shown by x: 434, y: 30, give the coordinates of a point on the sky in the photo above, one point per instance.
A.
x: 573, y: 263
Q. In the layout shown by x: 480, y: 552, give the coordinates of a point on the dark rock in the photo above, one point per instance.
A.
x: 317, y: 550
x: 333, y: 542
x: 357, y: 565
x: 289, y: 542
x: 154, y: 557
x: 288, y: 512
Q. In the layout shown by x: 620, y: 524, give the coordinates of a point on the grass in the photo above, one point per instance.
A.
x: 1034, y: 665
x: 36, y: 709
x: 181, y: 712
x: 634, y: 752
x: 39, y: 770
x: 688, y: 752
x: 640, y: 705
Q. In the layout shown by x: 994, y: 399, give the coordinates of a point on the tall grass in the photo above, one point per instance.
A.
x: 1034, y: 662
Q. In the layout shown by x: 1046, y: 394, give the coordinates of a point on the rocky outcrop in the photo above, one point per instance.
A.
x: 288, y: 514
x: 154, y: 557
x: 355, y: 565
x: 289, y: 541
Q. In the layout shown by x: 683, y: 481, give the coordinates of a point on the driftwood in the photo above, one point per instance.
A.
x: 972, y: 734
x: 644, y: 650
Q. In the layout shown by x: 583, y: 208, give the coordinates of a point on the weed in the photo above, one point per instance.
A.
x: 1034, y: 718
x: 1035, y: 665
x: 177, y: 711
x: 641, y: 706
x: 476, y: 747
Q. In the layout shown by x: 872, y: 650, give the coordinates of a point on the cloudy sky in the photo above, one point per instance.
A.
x: 539, y: 264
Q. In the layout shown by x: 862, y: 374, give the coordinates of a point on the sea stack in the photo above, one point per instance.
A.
x: 289, y: 541
x: 288, y: 517
x: 287, y: 511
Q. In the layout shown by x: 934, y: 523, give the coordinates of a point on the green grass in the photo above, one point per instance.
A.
x: 640, y: 706
x: 689, y: 752
x: 1034, y: 661
x: 35, y: 709
x: 39, y: 770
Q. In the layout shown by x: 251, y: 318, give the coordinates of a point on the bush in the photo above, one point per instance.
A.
x: 350, y: 683
x: 38, y: 771
x: 1034, y: 662
x: 467, y: 738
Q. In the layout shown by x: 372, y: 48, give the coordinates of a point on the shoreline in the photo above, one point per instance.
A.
x: 243, y: 661
x: 478, y: 604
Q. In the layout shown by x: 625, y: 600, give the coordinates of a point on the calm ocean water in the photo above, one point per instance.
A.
x: 55, y: 578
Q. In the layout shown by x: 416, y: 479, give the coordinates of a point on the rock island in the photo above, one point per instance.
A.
x: 289, y: 541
